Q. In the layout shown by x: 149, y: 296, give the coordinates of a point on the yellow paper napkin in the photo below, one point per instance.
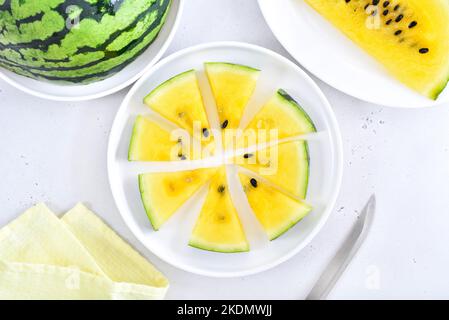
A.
x: 75, y: 257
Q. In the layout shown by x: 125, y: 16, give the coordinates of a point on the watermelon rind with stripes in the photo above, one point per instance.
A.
x: 76, y: 41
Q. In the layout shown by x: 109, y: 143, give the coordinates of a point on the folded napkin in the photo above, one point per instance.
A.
x: 75, y: 257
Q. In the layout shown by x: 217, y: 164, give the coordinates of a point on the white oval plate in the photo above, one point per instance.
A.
x: 170, y: 243
x: 117, y: 82
x: 332, y: 57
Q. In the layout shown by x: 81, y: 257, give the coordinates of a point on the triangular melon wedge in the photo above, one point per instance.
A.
x: 164, y: 193
x: 179, y: 100
x: 281, y: 117
x: 409, y: 37
x: 285, y: 165
x: 276, y: 211
x: 232, y: 86
x: 218, y: 227
x: 151, y: 142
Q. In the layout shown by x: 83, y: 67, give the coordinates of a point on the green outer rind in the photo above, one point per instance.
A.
x: 305, y: 187
x: 196, y: 243
x: 93, y: 76
x: 307, y: 163
x: 291, y: 225
x: 282, y: 94
x: 233, y: 66
x: 167, y: 83
x: 312, y: 128
x: 438, y: 90
x: 303, y: 114
x: 292, y: 102
x: 132, y: 142
x: 94, y: 70
x: 146, y: 203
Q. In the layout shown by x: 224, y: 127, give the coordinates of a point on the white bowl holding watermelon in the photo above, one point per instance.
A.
x: 88, y: 50
x: 220, y: 228
x: 391, y: 53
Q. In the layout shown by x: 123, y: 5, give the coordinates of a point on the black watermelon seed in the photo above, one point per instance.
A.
x: 385, y: 12
x: 375, y: 2
x: 205, y: 132
x: 388, y: 22
x: 399, y: 18
x: 423, y: 50
x: 253, y: 182
x: 412, y: 24
x: 396, y: 7
x: 221, y: 189
x: 247, y: 155
x: 386, y: 3
x: 224, y: 124
x: 398, y: 32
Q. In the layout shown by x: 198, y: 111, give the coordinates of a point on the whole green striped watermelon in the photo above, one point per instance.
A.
x: 76, y: 41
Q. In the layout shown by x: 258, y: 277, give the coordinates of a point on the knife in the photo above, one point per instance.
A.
x: 341, y: 260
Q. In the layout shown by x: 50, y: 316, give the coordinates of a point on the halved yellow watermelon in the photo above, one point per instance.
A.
x: 179, y: 100
x: 276, y: 211
x: 232, y: 86
x: 282, y: 117
x: 285, y: 165
x: 409, y: 37
x: 165, y: 192
x: 151, y: 142
x: 218, y: 227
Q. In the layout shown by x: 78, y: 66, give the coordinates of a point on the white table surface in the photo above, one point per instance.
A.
x: 56, y: 153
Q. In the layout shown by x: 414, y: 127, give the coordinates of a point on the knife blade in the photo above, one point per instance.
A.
x: 345, y: 254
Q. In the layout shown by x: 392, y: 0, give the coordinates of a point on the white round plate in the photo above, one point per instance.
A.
x: 332, y: 57
x: 117, y: 82
x: 171, y: 242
